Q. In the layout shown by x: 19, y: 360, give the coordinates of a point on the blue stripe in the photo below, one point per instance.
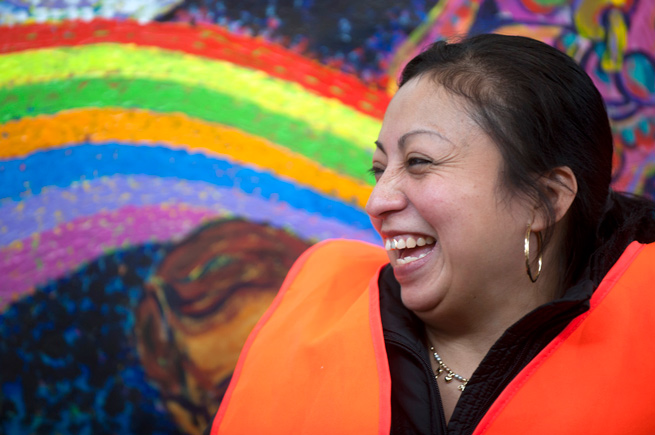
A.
x: 62, y: 167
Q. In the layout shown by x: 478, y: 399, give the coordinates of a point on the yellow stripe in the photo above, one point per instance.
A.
x: 28, y: 135
x: 243, y: 84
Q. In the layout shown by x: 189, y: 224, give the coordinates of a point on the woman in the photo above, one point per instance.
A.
x: 516, y: 298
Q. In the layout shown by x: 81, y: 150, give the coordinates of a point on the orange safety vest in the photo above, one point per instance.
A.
x: 316, y: 361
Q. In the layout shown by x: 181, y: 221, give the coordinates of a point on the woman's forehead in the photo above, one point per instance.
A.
x: 421, y: 104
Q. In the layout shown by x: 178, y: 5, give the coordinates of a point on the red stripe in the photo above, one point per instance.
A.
x: 207, y: 41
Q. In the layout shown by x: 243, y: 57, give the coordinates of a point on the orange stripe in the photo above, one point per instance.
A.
x: 380, y: 351
x: 28, y: 135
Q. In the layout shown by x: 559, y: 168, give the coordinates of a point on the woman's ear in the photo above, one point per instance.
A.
x: 561, y: 187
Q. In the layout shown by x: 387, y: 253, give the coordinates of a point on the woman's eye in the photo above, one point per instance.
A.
x: 416, y: 161
x: 376, y: 171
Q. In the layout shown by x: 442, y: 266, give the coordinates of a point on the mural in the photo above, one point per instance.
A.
x: 163, y: 163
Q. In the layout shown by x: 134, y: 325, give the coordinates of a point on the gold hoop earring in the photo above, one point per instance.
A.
x: 526, y: 249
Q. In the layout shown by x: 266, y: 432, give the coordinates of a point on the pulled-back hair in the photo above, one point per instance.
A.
x: 543, y: 111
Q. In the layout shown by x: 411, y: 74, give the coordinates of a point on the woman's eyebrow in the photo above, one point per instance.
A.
x: 403, y: 139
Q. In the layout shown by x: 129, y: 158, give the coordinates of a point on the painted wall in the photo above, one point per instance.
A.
x: 162, y: 163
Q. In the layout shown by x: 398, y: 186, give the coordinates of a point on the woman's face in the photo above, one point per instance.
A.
x: 453, y: 234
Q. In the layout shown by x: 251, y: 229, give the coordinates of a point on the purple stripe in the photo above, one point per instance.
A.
x: 54, y: 206
x: 53, y: 253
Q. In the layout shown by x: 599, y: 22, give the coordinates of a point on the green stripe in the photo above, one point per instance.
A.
x: 128, y: 61
x: 198, y: 102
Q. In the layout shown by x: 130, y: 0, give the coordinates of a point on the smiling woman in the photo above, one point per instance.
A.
x: 509, y: 263
x: 433, y: 187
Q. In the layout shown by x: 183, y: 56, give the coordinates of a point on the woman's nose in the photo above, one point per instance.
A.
x: 387, y: 196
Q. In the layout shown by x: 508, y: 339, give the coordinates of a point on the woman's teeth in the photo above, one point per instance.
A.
x: 400, y: 243
x: 409, y: 259
x: 409, y: 242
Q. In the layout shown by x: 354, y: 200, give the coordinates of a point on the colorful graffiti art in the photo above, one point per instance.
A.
x: 164, y: 162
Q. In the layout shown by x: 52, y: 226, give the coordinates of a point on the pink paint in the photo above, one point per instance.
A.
x: 636, y: 161
x: 518, y: 11
x: 53, y: 253
x: 641, y: 31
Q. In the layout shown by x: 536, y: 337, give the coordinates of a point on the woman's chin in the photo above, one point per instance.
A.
x: 416, y: 299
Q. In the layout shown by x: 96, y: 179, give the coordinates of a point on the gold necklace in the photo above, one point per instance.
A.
x: 450, y: 375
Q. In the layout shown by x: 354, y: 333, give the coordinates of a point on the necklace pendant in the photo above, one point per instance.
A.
x: 450, y: 375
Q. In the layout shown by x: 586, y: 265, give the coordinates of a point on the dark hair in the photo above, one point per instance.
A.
x: 543, y: 111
